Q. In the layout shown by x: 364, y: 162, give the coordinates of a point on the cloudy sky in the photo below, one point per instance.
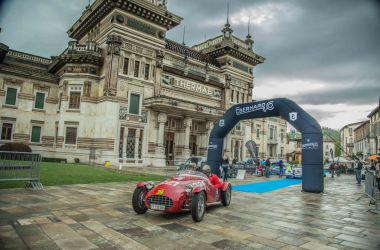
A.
x: 323, y: 54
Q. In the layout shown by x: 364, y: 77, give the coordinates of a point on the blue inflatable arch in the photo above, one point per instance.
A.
x: 312, y: 151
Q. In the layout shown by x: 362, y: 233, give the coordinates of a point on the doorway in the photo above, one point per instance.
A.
x: 193, y: 145
x: 169, y: 148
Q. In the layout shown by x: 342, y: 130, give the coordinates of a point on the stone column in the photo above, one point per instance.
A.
x: 159, y: 160
x: 158, y: 74
x: 162, y: 118
x: 187, y: 124
x: 112, y: 64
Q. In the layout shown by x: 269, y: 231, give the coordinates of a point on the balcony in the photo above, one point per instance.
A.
x: 350, y: 145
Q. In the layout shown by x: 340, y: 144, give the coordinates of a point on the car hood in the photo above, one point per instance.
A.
x: 175, y: 187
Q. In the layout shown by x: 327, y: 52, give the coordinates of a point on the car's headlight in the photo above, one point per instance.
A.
x: 150, y: 185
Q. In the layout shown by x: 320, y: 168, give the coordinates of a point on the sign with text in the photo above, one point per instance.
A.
x: 191, y: 86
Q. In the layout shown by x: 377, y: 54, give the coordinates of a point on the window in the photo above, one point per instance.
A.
x: 327, y: 146
x: 232, y: 96
x: 242, y: 97
x: 87, y: 89
x: 74, y: 100
x: 146, y: 75
x: 271, y: 133
x: 126, y: 66
x: 11, y: 96
x: 6, y: 131
x: 137, y: 68
x: 237, y: 96
x: 40, y: 100
x: 36, y: 134
x: 71, y: 135
x: 282, y: 137
x: 238, y: 127
x: 282, y: 152
x: 257, y: 133
x: 134, y: 104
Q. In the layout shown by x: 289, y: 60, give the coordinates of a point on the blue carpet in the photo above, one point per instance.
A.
x: 266, y: 186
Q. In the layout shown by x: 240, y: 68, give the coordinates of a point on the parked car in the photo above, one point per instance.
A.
x: 200, y: 161
x: 296, y: 173
x: 187, y: 190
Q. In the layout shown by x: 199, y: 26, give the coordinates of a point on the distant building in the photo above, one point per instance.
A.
x: 270, y: 137
x: 122, y: 92
x: 328, y: 148
x: 374, y: 128
x: 347, y: 138
x: 295, y: 147
x: 362, y: 140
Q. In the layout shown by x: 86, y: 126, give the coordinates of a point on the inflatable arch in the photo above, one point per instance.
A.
x: 312, y: 151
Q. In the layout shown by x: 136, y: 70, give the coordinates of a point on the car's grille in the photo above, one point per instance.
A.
x: 160, y: 200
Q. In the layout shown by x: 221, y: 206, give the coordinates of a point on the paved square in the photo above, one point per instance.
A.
x: 100, y: 216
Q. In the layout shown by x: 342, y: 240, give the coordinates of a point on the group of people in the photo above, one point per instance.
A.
x: 336, y: 168
x: 264, y: 168
x: 375, y: 166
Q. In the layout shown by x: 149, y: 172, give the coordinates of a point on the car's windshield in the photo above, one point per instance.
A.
x: 189, y: 173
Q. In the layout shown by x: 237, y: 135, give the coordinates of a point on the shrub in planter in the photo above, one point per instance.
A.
x: 15, y: 147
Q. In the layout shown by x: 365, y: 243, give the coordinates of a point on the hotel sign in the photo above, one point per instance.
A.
x: 191, y: 86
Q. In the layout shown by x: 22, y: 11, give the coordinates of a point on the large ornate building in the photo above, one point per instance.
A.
x: 122, y: 92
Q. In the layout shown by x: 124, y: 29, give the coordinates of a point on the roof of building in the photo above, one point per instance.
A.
x: 374, y: 111
x: 351, y: 124
x: 361, y: 125
x: 187, y: 51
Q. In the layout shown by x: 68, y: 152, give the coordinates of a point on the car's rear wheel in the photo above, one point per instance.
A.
x: 138, y: 200
x: 198, y: 206
x: 226, y: 196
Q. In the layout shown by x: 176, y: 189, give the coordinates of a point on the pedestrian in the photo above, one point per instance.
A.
x: 267, y: 168
x: 372, y: 166
x: 281, y: 165
x: 225, y: 168
x: 331, y: 168
x: 378, y: 174
x: 358, y: 171
x: 337, y: 170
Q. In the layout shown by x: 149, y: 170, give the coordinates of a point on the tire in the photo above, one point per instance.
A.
x: 198, y: 206
x: 138, y: 200
x: 226, y: 196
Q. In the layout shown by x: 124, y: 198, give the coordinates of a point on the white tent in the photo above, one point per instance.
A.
x: 342, y: 160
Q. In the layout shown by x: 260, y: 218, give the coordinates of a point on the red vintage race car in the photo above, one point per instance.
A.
x: 187, y: 190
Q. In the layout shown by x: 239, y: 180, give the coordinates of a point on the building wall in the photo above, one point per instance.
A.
x: 347, y: 139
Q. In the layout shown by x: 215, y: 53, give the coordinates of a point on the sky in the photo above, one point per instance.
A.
x: 322, y: 54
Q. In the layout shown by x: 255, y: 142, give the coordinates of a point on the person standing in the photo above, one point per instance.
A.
x: 267, y: 168
x: 378, y: 174
x: 358, y: 170
x: 281, y: 165
x: 225, y: 168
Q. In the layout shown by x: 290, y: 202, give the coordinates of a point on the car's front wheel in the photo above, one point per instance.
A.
x: 198, y: 206
x: 226, y: 196
x: 138, y: 200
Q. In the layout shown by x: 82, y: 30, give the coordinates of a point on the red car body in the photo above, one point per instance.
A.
x: 179, y: 192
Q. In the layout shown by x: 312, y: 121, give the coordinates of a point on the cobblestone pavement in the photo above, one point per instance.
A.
x: 100, y: 216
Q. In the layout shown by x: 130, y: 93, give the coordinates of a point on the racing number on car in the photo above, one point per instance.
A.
x: 160, y: 192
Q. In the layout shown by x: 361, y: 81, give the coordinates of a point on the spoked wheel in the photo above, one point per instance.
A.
x: 226, y: 196
x: 198, y: 206
x: 138, y: 200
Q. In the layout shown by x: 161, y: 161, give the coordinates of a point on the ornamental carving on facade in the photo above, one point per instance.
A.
x: 160, y: 57
x: 114, y: 43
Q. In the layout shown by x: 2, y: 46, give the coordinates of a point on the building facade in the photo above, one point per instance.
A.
x: 362, y: 140
x: 347, y: 138
x: 374, y: 131
x: 122, y: 92
x: 295, y: 148
x: 270, y: 135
